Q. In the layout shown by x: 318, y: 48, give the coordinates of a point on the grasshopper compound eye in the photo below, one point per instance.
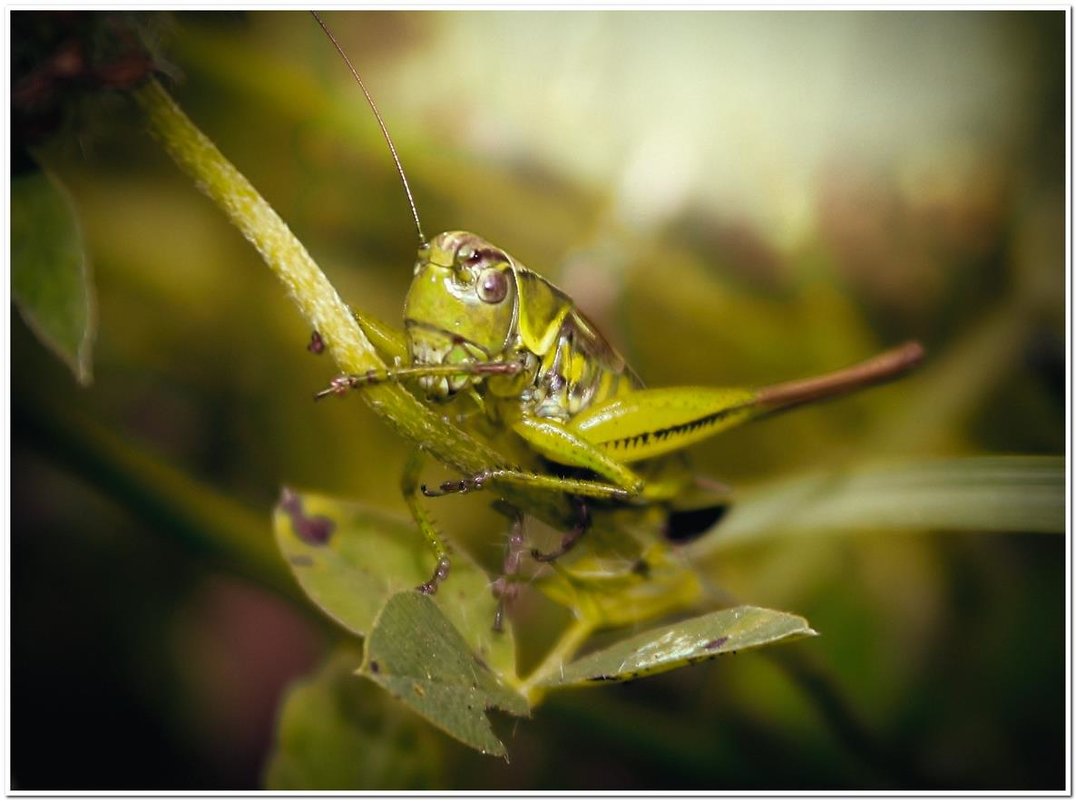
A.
x: 492, y: 286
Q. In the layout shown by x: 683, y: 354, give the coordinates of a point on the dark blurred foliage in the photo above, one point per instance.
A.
x: 140, y: 660
x: 60, y: 58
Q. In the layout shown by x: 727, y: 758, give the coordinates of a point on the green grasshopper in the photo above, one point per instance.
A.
x: 480, y: 325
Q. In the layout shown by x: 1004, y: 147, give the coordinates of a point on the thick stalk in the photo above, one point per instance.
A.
x: 320, y: 304
x: 316, y: 298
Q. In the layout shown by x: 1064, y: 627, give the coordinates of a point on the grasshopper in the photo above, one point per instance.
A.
x: 480, y: 325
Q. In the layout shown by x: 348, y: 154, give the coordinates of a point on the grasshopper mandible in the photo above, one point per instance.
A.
x: 480, y: 325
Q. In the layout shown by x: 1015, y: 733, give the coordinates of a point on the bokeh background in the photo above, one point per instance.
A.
x: 737, y: 198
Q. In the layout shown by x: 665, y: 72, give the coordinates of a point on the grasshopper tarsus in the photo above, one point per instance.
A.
x: 566, y: 544
x: 440, y: 573
x: 571, y: 538
x: 445, y: 488
x: 457, y: 487
x: 339, y: 386
x: 344, y: 383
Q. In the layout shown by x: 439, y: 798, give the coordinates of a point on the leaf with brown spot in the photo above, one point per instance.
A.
x: 370, y: 556
x: 685, y: 643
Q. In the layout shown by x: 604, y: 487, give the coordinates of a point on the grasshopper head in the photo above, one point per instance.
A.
x: 461, y: 307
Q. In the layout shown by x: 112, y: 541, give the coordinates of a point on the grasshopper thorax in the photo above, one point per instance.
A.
x: 460, y: 309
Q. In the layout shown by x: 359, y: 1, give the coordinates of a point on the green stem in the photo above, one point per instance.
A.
x: 320, y: 304
x: 316, y: 298
x: 569, y: 643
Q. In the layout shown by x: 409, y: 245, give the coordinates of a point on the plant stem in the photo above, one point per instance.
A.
x: 320, y: 304
x: 316, y: 298
x: 569, y: 643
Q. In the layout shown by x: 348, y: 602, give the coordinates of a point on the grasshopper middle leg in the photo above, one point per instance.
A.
x: 409, y: 485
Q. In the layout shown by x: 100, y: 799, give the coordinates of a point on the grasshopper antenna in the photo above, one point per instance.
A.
x: 380, y: 124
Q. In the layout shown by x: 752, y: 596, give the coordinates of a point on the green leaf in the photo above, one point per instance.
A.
x: 50, y: 280
x: 684, y: 643
x: 337, y: 732
x: 350, y: 560
x: 416, y: 654
x: 1006, y: 493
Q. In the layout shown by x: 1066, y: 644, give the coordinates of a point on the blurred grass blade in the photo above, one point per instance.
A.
x: 350, y: 559
x: 684, y: 643
x: 416, y: 654
x: 997, y: 493
x: 50, y: 280
x: 338, y: 732
x: 176, y: 505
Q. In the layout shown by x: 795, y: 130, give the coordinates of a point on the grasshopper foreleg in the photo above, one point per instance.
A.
x: 343, y: 384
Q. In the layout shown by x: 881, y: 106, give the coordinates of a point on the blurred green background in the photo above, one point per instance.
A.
x: 736, y: 198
